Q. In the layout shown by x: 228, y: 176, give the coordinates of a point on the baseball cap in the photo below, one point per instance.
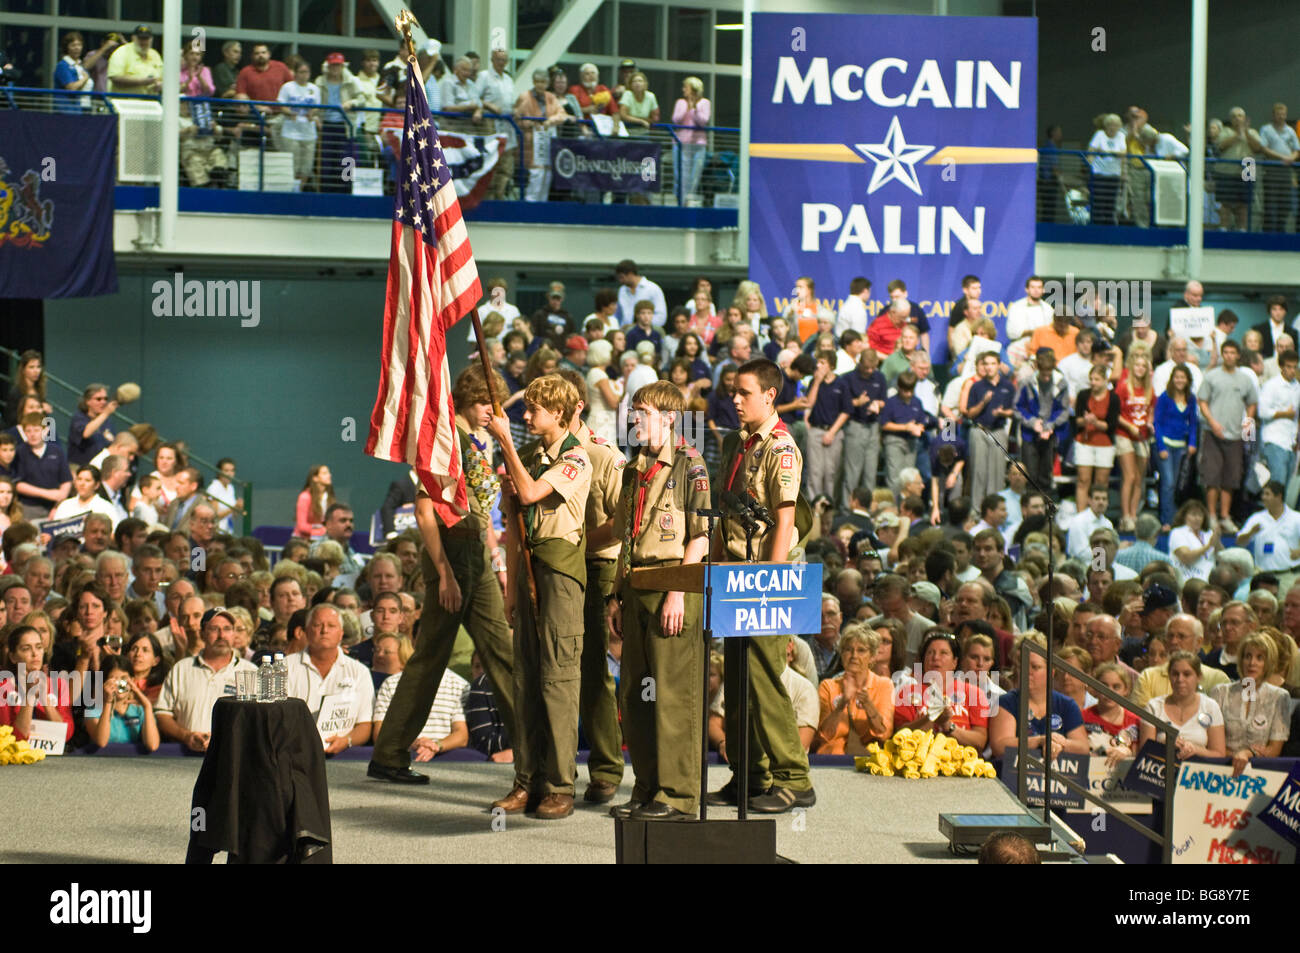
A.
x: 213, y: 613
x: 142, y: 30
x: 627, y: 64
x: 927, y: 591
x: 576, y: 342
x: 555, y: 288
x: 1158, y: 596
x: 334, y: 58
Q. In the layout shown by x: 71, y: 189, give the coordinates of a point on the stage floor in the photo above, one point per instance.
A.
x: 124, y: 810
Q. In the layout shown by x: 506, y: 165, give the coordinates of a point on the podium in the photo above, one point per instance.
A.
x: 764, y: 599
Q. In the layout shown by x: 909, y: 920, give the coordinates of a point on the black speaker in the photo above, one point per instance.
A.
x: 695, y: 842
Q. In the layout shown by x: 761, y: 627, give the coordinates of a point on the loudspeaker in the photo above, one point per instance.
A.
x: 695, y: 842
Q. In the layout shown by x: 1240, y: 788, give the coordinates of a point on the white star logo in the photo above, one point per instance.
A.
x: 894, y: 159
x: 421, y: 143
x: 437, y: 164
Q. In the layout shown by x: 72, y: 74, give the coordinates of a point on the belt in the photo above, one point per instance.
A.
x: 655, y: 564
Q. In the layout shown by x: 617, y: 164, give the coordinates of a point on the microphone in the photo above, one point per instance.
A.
x: 739, y: 510
x: 758, y: 510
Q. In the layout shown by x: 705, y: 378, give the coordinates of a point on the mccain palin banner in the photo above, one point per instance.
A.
x: 606, y: 165
x: 893, y: 147
x: 56, y: 205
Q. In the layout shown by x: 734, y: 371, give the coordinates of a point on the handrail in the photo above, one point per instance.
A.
x: 1024, y: 759
x: 193, y: 458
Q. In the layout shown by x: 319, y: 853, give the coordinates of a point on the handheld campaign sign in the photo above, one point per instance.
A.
x: 1191, y: 322
x: 766, y: 599
x: 48, y: 736
x: 61, y: 529
x: 1219, y: 818
x: 1147, y: 775
x: 1283, y: 814
x: 1074, y: 767
x: 894, y: 147
x: 403, y: 519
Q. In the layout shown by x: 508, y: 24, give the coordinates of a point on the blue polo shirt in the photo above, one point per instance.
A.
x: 791, y: 390
x: 896, y: 411
x: 832, y: 400
x: 1004, y: 398
x: 636, y: 336
x: 48, y: 471
x: 722, y: 411
x: 856, y: 385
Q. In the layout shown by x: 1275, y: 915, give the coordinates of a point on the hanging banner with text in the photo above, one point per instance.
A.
x: 608, y: 165
x: 1218, y: 818
x: 914, y: 161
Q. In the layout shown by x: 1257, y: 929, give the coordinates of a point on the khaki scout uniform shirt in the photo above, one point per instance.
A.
x: 669, y: 519
x: 569, y: 473
x: 770, y: 468
x: 606, y: 481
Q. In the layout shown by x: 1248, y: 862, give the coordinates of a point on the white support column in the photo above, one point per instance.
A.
x: 1196, y: 161
x: 563, y: 30
x: 168, y: 202
x: 746, y: 98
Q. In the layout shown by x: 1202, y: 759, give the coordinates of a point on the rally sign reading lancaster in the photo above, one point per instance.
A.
x: 916, y: 162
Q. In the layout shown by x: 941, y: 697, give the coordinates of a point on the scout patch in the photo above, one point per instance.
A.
x: 787, y: 461
x: 575, y: 459
x: 570, y: 472
x: 670, y: 485
x: 694, y: 473
x: 701, y: 486
x: 666, y: 521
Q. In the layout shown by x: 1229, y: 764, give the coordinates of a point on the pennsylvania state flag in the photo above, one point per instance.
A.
x: 56, y: 205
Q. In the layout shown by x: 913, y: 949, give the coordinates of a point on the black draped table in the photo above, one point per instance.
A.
x: 261, y: 794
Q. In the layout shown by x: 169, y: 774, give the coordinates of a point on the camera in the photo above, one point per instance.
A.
x: 123, y: 687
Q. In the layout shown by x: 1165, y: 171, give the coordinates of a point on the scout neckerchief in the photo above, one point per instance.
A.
x: 643, y: 487
x: 538, y: 468
x: 754, y: 438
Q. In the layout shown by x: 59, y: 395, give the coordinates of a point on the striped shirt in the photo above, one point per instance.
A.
x: 487, y: 729
x: 447, y: 709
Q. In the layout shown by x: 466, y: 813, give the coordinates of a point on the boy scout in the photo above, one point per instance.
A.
x: 761, y: 459
x: 597, y: 706
x: 663, y: 645
x: 461, y: 590
x: 550, y: 479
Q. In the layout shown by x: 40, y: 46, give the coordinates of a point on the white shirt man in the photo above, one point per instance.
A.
x: 852, y: 315
x: 1278, y: 396
x: 194, y: 684
x: 1081, y: 525
x: 1025, y: 315
x: 338, y: 690
x: 643, y: 290
x: 1273, y: 534
x: 1160, y: 376
x: 447, y: 709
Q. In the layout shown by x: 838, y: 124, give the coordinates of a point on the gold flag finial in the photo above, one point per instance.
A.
x: 404, y: 21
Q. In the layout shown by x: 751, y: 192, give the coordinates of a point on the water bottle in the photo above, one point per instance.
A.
x: 281, y: 677
x: 265, y: 680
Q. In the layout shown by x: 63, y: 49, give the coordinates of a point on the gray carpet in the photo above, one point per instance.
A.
x: 136, y: 810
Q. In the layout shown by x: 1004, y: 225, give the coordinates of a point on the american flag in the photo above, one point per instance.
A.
x: 432, y: 283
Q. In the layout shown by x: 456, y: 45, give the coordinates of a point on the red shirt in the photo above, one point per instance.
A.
x: 584, y: 98
x: 1135, y: 408
x: 39, y: 713
x: 263, y: 86
x: 1094, y: 720
x: 1099, y: 408
x: 883, y: 335
x: 969, y: 707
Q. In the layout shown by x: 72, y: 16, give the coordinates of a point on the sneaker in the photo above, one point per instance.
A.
x: 726, y: 795
x: 1227, y: 527
x: 775, y: 801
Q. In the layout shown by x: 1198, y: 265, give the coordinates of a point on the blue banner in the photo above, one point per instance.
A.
x: 1147, y: 776
x: 1283, y: 813
x: 607, y: 165
x: 56, y: 205
x: 1071, y: 766
x: 914, y: 161
x: 766, y: 599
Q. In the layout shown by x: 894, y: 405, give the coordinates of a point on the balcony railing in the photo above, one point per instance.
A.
x: 254, y: 145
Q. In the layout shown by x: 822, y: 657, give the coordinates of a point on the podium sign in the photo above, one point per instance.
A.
x: 756, y: 599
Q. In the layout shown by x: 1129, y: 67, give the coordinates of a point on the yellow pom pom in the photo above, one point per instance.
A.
x: 873, y: 747
x: 947, y: 769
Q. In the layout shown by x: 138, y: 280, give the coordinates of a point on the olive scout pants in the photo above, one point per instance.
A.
x: 482, y: 612
x: 548, y: 668
x: 598, y: 705
x: 776, y: 756
x: 661, y: 688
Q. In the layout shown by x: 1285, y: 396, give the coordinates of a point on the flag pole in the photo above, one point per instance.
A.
x: 403, y: 22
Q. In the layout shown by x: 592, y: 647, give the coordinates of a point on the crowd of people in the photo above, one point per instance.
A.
x: 1249, y: 176
x: 327, y: 112
x: 931, y: 491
